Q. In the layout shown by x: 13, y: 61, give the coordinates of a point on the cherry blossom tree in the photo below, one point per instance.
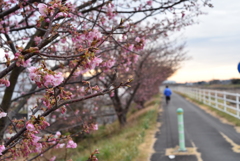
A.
x: 153, y: 69
x: 48, y: 46
x: 154, y: 66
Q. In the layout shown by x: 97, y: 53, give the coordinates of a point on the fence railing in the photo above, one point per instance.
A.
x: 221, y: 100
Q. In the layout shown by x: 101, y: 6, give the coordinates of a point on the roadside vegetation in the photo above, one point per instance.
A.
x: 221, y: 86
x: 115, y: 143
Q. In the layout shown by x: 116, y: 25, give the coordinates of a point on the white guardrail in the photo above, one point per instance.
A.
x: 221, y: 100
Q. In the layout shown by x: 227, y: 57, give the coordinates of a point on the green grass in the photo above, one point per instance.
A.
x: 116, y: 143
x: 222, y: 86
x: 228, y: 117
x: 156, y: 100
x: 123, y: 144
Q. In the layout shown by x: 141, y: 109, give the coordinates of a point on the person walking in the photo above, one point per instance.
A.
x: 167, y: 92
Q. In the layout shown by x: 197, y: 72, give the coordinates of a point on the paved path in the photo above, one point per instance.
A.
x: 214, y: 140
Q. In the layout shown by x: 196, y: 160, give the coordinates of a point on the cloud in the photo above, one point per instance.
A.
x: 213, y: 44
x: 222, y: 20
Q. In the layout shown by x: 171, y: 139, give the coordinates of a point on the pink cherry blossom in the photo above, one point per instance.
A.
x: 110, y: 63
x: 95, y: 34
x: 44, y: 124
x: 58, y: 134
x: 71, y: 144
x: 32, y: 69
x: 6, y: 56
x: 37, y: 39
x: 63, y: 110
x: 149, y: 3
x: 17, y: 54
x: 131, y: 47
x: 38, y: 147
x: 59, y: 145
x: 26, y: 63
x: 76, y: 112
x: 33, y: 74
x: 61, y: 14
x: 42, y: 9
x: 58, y: 79
x: 53, y: 158
x: 135, y: 58
x: 47, y: 20
x: 53, y: 80
x: 112, y: 94
x: 2, y: 148
x: 137, y: 39
x: 3, y: 114
x: 95, y: 127
x: 30, y: 127
x: 110, y: 11
x: 48, y: 80
x: 35, y: 138
x: 42, y: 77
x: 5, y: 82
x: 95, y: 62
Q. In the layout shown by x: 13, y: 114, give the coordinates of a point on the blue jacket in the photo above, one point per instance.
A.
x: 167, y: 92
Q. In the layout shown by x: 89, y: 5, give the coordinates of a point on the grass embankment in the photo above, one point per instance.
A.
x: 217, y: 86
x: 224, y: 117
x: 121, y: 144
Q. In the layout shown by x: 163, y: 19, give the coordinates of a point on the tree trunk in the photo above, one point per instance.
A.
x: 6, y: 101
x: 121, y: 117
x: 119, y: 109
x: 142, y: 104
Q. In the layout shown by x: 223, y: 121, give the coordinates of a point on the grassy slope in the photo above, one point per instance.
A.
x: 122, y: 144
x: 228, y: 86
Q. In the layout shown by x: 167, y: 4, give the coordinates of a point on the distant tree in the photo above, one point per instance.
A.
x: 154, y: 66
x: 235, y: 81
x: 201, y: 82
x: 215, y: 81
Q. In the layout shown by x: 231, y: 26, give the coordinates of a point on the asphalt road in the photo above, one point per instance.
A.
x: 214, y: 140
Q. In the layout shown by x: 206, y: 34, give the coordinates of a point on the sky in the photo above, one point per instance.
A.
x: 213, y: 44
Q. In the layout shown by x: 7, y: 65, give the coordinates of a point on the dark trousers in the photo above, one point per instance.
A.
x: 168, y: 98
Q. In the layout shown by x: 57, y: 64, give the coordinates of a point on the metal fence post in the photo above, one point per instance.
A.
x: 200, y: 94
x: 237, y: 104
x: 209, y: 98
x: 194, y: 93
x: 204, y: 96
x: 181, y: 130
x: 216, y: 100
x: 224, y: 102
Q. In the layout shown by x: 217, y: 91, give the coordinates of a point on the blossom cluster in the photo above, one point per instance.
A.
x: 45, y: 77
x: 35, y: 142
x: 5, y: 82
x: 49, y: 99
x: 64, y: 10
x: 20, y: 61
x: 3, y: 114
